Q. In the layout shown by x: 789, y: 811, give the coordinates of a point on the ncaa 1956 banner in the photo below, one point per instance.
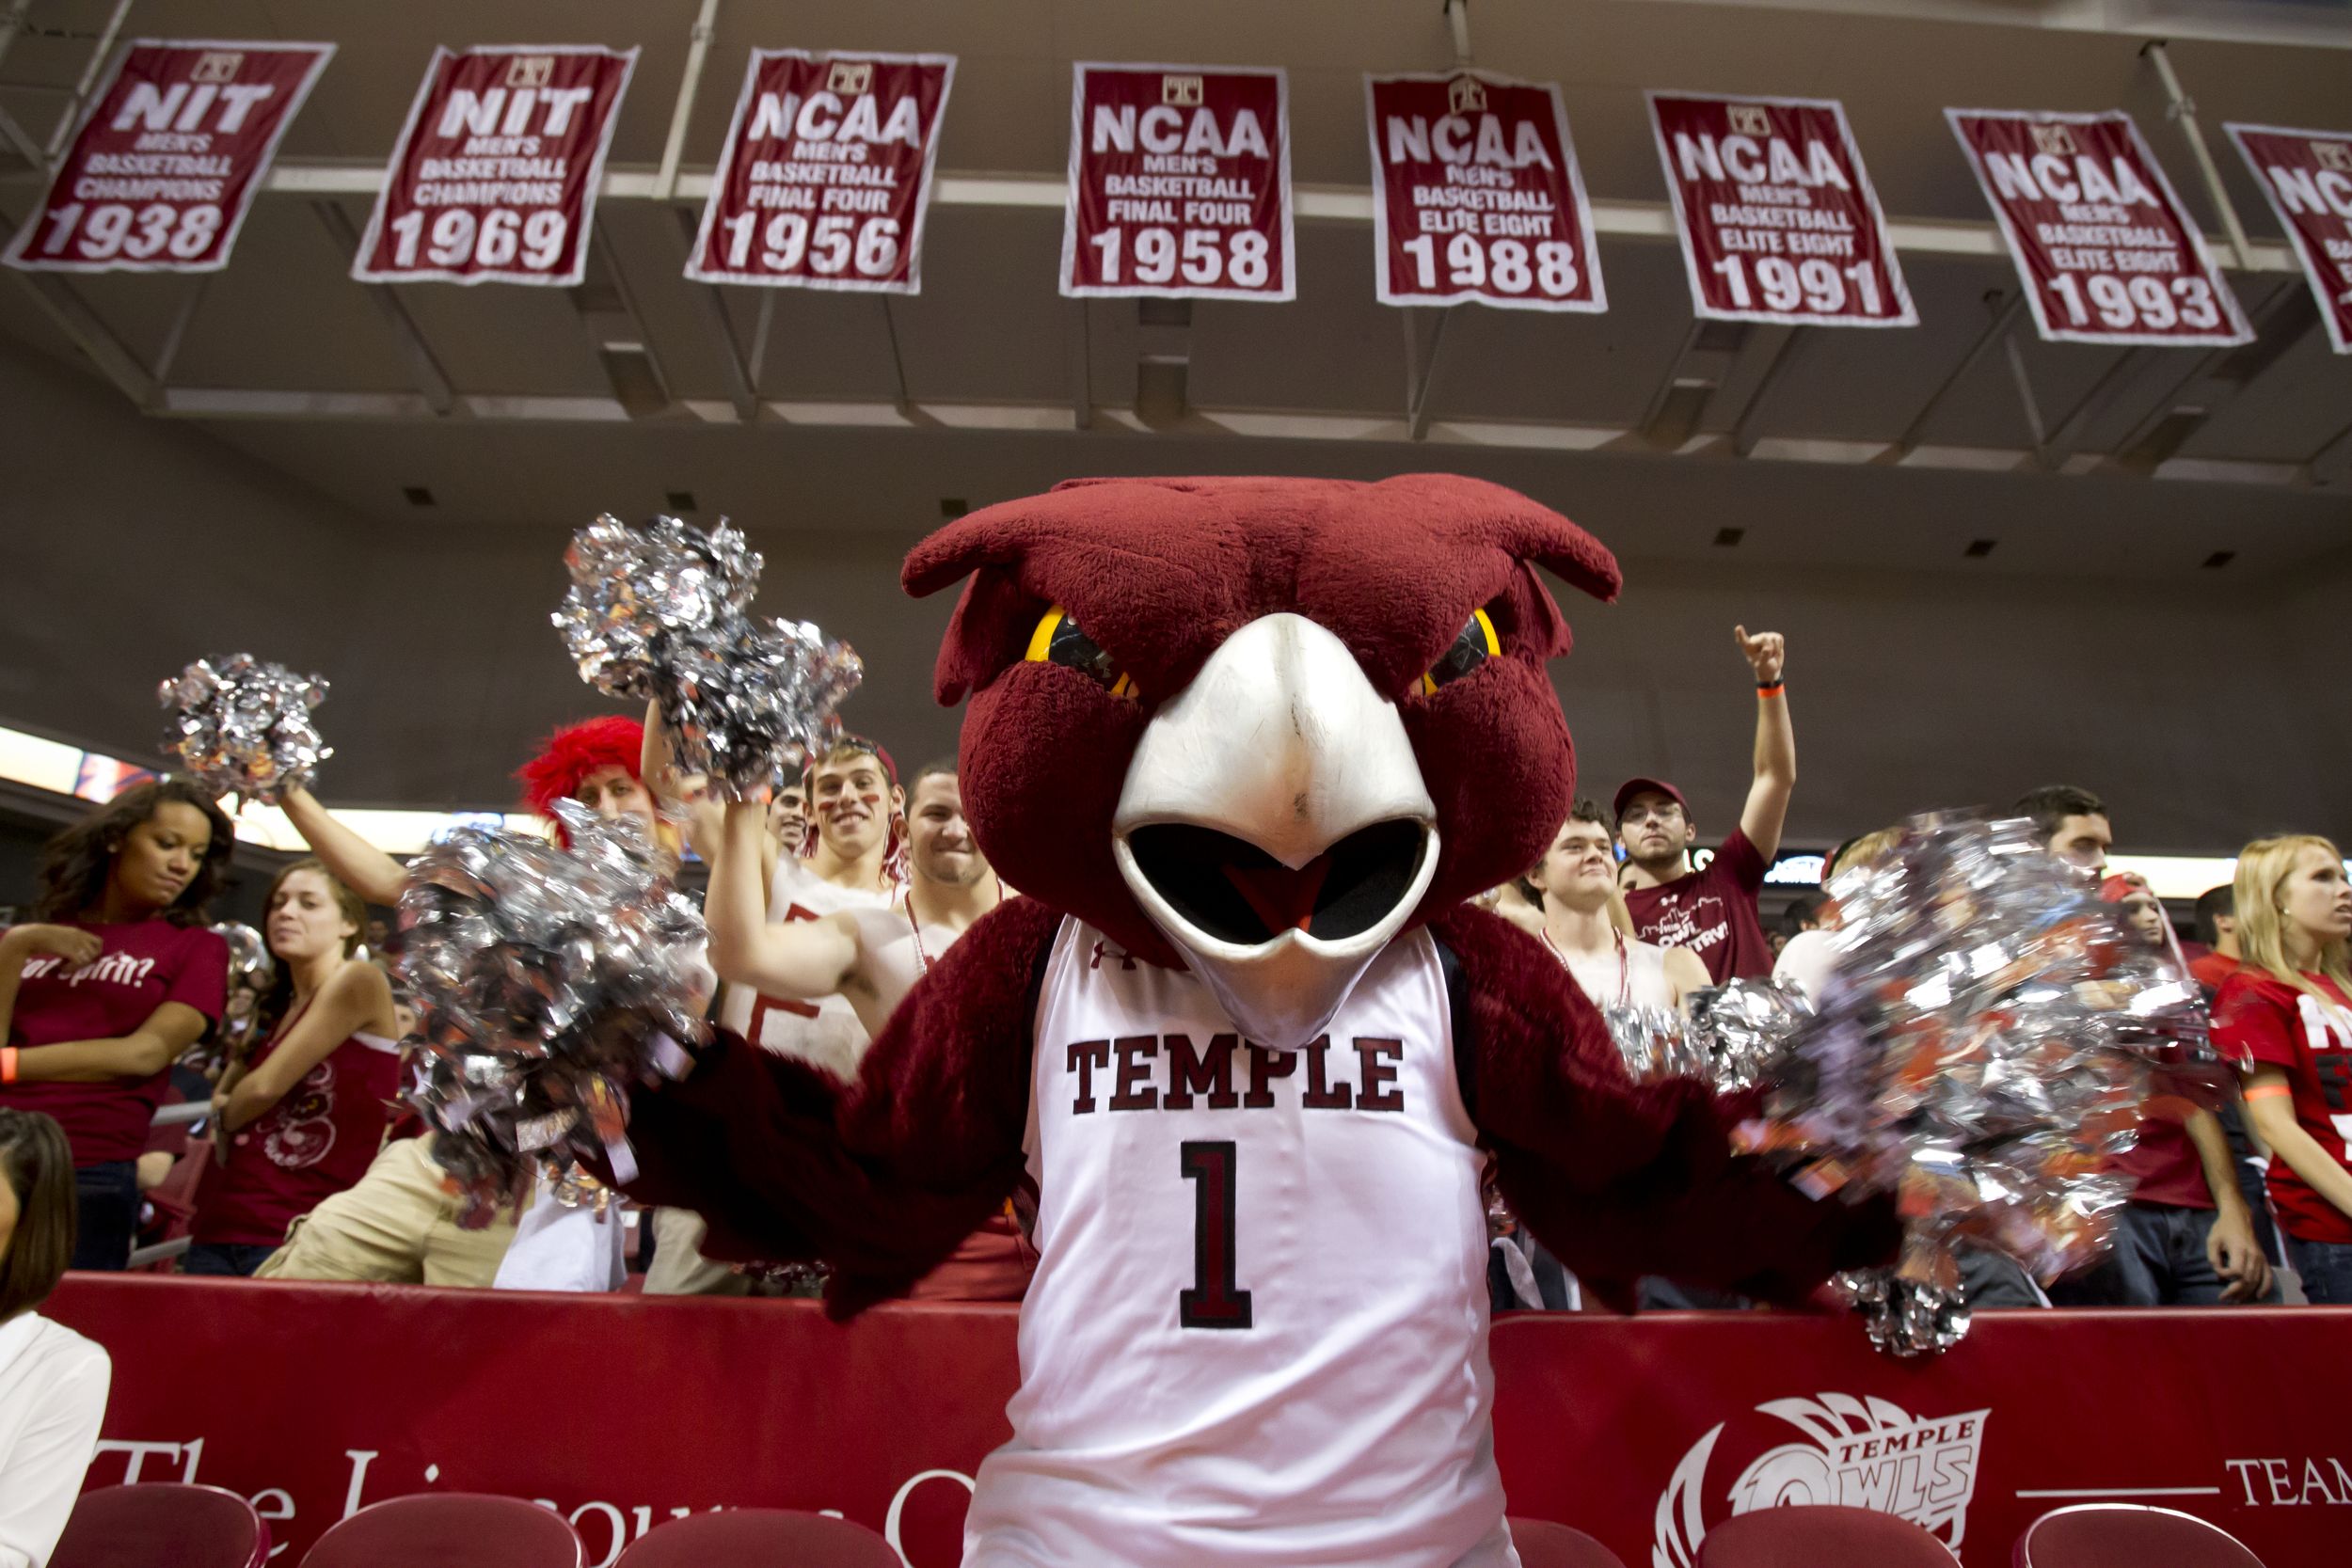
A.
x: 2307, y: 176
x: 167, y: 157
x: 1180, y: 184
x: 494, y: 178
x: 827, y: 173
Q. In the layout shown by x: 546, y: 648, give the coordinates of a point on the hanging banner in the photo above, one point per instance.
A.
x: 827, y: 173
x: 2103, y: 246
x: 163, y: 167
x: 1180, y: 184
x: 2308, y: 177
x: 1476, y: 196
x: 494, y: 178
x: 1777, y: 218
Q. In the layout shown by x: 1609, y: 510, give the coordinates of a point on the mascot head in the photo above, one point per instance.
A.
x: 1258, y: 727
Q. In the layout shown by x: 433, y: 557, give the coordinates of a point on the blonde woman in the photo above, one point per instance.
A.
x: 2288, y: 1015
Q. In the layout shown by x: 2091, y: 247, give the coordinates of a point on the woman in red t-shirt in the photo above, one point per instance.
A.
x: 302, y: 1118
x: 2288, y: 1015
x: 120, y: 978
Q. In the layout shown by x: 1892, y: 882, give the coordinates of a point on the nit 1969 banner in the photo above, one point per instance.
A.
x: 1776, y: 216
x: 494, y: 178
x: 2306, y: 175
x: 1180, y: 184
x: 1476, y: 196
x: 2103, y: 246
x: 827, y: 173
x: 164, y: 165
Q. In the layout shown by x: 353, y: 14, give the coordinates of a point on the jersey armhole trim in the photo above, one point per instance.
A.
x: 1457, y: 1008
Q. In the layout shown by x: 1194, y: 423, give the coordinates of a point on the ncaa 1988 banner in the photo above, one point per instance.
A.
x: 494, y: 178
x: 165, y: 162
x: 1476, y: 196
x: 1776, y: 216
x: 827, y: 173
x: 1180, y: 184
x: 2308, y: 177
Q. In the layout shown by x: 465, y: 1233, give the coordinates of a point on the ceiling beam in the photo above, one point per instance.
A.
x: 424, y: 370
x: 1995, y: 331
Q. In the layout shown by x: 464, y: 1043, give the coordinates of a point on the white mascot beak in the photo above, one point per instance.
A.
x: 1275, y: 827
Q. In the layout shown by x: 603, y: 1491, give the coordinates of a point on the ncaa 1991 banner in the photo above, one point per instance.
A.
x: 2103, y: 246
x: 167, y: 158
x: 1775, y: 212
x: 827, y: 173
x: 494, y: 178
x: 2308, y: 177
x: 1180, y: 184
x: 1476, y: 196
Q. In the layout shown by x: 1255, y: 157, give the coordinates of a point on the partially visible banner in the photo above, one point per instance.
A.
x: 163, y: 167
x: 1180, y: 184
x: 1476, y: 196
x: 827, y: 173
x: 2307, y: 176
x: 2103, y: 246
x: 494, y: 178
x: 1775, y: 212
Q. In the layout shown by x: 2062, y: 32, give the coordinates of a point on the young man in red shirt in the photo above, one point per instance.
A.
x: 1713, y: 911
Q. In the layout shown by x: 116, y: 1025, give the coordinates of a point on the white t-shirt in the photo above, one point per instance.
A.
x: 826, y: 1031
x: 1258, y: 1329
x: 52, y: 1396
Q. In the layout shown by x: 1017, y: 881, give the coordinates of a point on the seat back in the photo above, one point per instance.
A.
x: 1810, y: 1536
x: 449, y: 1529
x: 1543, y: 1544
x: 162, y: 1525
x: 2127, y: 1535
x: 759, y: 1538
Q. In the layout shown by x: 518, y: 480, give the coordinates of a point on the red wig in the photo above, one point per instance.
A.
x: 576, y: 750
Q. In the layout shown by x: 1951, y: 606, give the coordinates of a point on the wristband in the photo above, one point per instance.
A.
x: 7, y: 1064
x: 2261, y: 1091
x: 1770, y: 689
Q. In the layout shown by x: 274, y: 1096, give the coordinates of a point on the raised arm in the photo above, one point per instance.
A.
x: 1767, y: 810
x: 143, y: 1052
x: 354, y: 997
x: 657, y: 764
x: 798, y: 958
x: 359, y: 865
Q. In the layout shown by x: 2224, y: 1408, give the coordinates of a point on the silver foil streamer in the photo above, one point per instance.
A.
x: 548, y: 981
x: 632, y: 586
x: 244, y: 725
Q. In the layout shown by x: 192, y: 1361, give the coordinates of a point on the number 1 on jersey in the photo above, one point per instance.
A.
x: 1214, y: 1301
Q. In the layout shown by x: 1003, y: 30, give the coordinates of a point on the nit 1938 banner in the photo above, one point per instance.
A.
x: 2308, y: 177
x: 1180, y: 184
x: 1476, y: 196
x: 1776, y: 214
x: 2103, y: 246
x: 494, y: 178
x: 827, y: 173
x: 165, y: 164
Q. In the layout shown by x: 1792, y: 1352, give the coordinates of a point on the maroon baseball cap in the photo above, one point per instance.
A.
x: 1632, y: 787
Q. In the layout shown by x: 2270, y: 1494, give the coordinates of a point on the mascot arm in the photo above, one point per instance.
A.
x: 880, y: 1179
x: 1617, y: 1178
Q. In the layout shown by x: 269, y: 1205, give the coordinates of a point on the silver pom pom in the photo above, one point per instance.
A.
x: 631, y: 586
x: 238, y: 723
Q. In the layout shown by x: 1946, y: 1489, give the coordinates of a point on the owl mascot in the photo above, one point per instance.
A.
x: 1248, y: 744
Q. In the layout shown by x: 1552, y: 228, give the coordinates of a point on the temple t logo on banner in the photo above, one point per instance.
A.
x: 1181, y: 92
x: 850, y: 78
x: 2056, y: 140
x: 1750, y: 119
x: 217, y: 65
x: 1467, y: 95
x: 2335, y: 156
x: 530, y: 70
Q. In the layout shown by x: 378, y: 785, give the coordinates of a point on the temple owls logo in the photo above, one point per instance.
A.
x: 1856, y: 1453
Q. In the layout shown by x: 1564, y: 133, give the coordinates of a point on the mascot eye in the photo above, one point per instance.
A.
x: 1058, y: 639
x: 1475, y: 647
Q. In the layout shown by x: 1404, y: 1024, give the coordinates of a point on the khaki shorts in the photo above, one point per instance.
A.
x: 397, y: 1226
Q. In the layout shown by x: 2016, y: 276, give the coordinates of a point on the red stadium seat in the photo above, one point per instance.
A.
x: 1810, y: 1537
x: 2127, y: 1535
x: 1543, y: 1544
x: 759, y: 1538
x: 162, y: 1525
x: 449, y: 1529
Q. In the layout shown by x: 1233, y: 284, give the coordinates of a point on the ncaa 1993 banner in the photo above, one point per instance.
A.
x: 494, y: 178
x: 1180, y: 184
x: 827, y: 173
x: 1476, y: 196
x: 2307, y: 176
x: 167, y: 157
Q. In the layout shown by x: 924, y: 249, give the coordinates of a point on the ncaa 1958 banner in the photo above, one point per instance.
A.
x: 494, y: 178
x: 1476, y: 196
x: 2103, y: 246
x: 1775, y: 212
x: 166, y: 161
x: 827, y: 173
x: 1180, y: 184
x: 2308, y: 177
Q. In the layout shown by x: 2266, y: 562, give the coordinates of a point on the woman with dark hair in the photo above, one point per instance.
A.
x: 119, y: 976
x: 300, y: 1119
x: 52, y: 1382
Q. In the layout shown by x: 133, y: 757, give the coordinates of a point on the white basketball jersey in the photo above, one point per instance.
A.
x: 1258, y: 1331
x: 826, y: 1031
